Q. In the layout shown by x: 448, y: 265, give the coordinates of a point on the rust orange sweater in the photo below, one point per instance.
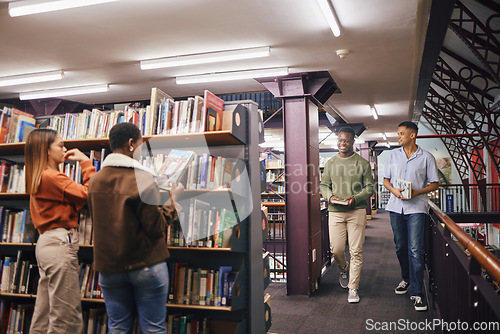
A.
x: 59, y: 199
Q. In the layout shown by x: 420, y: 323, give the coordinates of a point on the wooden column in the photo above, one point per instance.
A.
x: 301, y: 95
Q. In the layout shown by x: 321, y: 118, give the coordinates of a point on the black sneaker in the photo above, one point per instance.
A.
x: 419, y: 304
x: 402, y: 288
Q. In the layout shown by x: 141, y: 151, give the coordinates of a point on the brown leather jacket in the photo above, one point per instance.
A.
x: 128, y: 218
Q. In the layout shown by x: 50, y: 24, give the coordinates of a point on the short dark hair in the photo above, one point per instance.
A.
x: 120, y: 134
x: 409, y: 125
x: 348, y: 130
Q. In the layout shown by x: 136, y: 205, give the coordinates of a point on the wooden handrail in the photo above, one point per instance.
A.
x: 485, y: 258
x: 273, y: 203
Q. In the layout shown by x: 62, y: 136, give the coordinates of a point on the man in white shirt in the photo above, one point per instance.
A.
x: 408, y: 215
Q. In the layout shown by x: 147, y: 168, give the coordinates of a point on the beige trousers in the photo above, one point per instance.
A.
x: 350, y: 225
x: 58, y: 304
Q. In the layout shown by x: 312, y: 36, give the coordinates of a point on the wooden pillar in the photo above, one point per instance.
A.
x: 301, y: 94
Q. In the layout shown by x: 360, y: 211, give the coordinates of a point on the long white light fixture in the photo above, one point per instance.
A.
x: 205, y: 58
x: 28, y: 7
x: 374, y: 112
x: 31, y: 78
x: 330, y: 16
x: 41, y: 94
x: 236, y: 75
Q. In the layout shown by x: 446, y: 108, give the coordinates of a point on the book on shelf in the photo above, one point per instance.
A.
x: 13, y: 123
x: 406, y: 186
x: 174, y: 167
x: 213, y: 112
x: 201, y: 286
x: 158, y: 98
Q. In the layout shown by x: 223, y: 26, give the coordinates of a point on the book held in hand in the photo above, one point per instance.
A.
x: 406, y: 186
x: 339, y: 202
x: 174, y: 167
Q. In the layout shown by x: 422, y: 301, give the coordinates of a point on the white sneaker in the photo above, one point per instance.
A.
x: 418, y: 303
x: 352, y: 296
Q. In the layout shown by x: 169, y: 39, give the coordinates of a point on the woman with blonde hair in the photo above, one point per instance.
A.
x: 55, y: 202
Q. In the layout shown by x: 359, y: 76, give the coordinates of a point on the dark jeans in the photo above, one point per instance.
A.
x: 408, y: 233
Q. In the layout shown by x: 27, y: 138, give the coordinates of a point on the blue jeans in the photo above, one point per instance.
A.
x: 144, y: 290
x: 408, y: 233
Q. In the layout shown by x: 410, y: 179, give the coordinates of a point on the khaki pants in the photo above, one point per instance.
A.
x: 58, y: 304
x: 350, y: 224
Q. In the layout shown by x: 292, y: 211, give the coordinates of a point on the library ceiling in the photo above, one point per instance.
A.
x: 378, y: 60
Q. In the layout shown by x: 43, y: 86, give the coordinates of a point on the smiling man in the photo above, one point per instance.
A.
x: 346, y: 184
x: 412, y: 164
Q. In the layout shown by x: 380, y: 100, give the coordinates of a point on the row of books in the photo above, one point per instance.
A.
x: 95, y: 321
x: 21, y: 276
x: 202, y: 225
x: 195, y: 171
x: 15, y: 318
x: 195, y: 114
x: 92, y: 124
x: 187, y: 324
x: 18, y: 276
x: 11, y: 177
x: 16, y: 226
x: 85, y: 228
x: 199, y: 286
x: 163, y: 116
x: 89, y: 282
x: 15, y: 125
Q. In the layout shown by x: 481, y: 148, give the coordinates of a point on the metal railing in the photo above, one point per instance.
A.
x: 458, y: 197
x: 463, y: 275
x: 275, y: 243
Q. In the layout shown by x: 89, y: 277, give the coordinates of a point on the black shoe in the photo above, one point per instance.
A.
x: 419, y: 304
x: 402, y: 288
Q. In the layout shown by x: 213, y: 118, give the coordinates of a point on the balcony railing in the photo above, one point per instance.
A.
x: 458, y: 197
x: 463, y: 275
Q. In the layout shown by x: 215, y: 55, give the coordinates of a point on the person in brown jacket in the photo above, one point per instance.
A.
x: 129, y: 242
x: 55, y: 202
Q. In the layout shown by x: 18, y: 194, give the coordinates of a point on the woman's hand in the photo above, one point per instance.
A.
x: 75, y: 155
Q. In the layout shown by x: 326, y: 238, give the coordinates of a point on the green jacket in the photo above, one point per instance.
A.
x: 346, y: 177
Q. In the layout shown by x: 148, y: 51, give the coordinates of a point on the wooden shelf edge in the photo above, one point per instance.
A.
x: 201, y: 307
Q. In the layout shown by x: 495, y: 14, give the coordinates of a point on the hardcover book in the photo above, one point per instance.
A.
x: 339, y: 202
x: 174, y: 167
x: 212, y: 112
x: 406, y: 186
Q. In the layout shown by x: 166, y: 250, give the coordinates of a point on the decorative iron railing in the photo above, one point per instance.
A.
x: 463, y: 277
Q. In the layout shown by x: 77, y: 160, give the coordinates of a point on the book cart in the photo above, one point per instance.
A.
x: 247, y: 310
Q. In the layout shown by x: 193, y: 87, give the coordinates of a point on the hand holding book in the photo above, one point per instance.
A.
x: 404, y: 187
x: 344, y: 202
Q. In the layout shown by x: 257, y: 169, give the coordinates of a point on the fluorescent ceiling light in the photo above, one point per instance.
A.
x: 28, y: 7
x: 236, y: 75
x: 31, y: 78
x: 358, y: 141
x: 205, y: 58
x: 374, y: 112
x: 41, y: 94
x: 330, y: 16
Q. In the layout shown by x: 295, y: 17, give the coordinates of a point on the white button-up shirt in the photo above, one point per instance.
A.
x: 420, y: 169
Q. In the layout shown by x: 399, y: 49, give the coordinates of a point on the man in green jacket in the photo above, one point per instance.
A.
x: 346, y: 184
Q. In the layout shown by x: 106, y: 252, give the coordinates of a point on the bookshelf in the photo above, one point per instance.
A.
x: 248, y: 308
